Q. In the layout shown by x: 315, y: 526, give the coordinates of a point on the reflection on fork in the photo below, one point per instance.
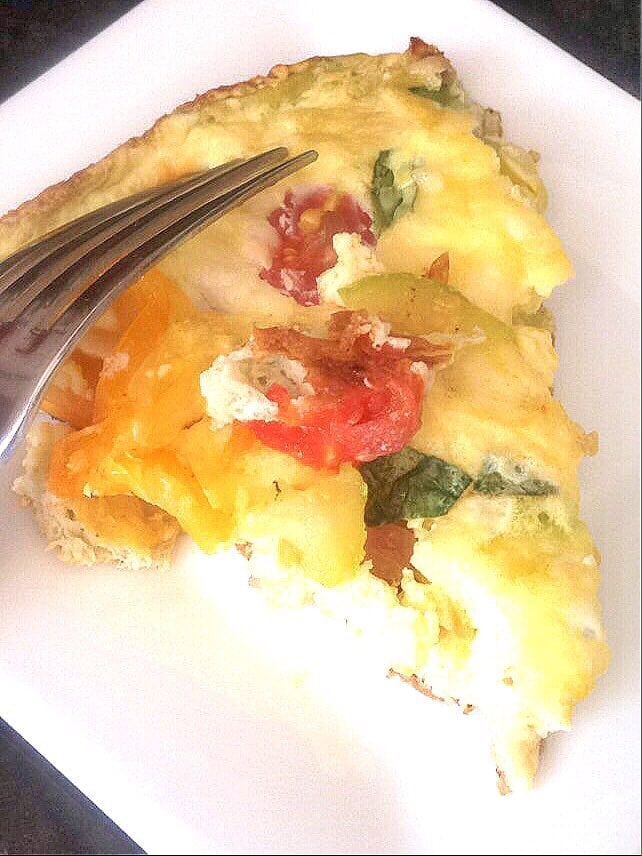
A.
x: 53, y: 290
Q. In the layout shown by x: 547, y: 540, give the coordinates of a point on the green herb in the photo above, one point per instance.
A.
x: 393, y: 189
x: 409, y: 484
x: 499, y: 477
x: 442, y: 96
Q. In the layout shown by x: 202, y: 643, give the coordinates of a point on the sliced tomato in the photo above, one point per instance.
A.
x: 306, y: 222
x: 362, y: 425
x: 366, y: 401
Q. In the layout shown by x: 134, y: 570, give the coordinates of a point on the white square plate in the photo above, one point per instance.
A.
x: 199, y: 730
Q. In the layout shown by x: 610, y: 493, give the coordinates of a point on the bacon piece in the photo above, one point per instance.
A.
x: 348, y: 344
x: 420, y: 49
x: 367, y: 398
x: 389, y: 548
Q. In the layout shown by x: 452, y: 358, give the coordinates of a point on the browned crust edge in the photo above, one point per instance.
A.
x: 414, y: 682
x: 502, y: 782
x: 59, y: 192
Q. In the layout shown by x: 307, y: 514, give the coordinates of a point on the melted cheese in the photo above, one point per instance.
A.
x: 490, y: 401
x: 502, y: 252
x: 495, y: 398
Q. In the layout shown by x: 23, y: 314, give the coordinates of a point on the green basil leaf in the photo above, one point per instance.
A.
x: 499, y: 477
x: 393, y: 189
x: 442, y: 96
x: 409, y: 484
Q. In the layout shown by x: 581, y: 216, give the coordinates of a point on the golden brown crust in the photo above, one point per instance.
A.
x: 414, y: 682
x: 74, y: 537
x: 421, y: 49
x: 59, y: 193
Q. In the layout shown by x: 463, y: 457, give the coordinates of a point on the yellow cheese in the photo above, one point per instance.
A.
x: 502, y: 252
x: 495, y: 399
x: 522, y: 572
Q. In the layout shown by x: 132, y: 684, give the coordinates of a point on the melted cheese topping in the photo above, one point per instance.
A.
x: 494, y: 399
x: 491, y: 401
x: 502, y: 252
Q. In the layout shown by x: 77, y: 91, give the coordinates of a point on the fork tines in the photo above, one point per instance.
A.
x: 52, y: 291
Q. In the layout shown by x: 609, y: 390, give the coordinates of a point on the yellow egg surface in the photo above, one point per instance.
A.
x: 475, y: 196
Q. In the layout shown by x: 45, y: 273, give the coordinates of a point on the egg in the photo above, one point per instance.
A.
x: 497, y: 607
x: 502, y: 252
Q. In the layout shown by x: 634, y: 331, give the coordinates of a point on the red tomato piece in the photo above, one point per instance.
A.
x: 366, y: 401
x: 306, y: 222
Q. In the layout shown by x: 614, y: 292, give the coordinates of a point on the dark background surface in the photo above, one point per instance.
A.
x: 40, y: 812
x: 35, y: 34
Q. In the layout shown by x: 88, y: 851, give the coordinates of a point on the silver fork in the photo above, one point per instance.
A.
x: 53, y: 290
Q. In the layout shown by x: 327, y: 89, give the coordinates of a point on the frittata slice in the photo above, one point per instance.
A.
x: 349, y: 379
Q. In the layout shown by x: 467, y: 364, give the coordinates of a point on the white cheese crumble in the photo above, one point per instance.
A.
x: 377, y: 330
x: 228, y: 393
x: 422, y: 370
x: 354, y: 261
x: 234, y: 386
x: 379, y: 333
x: 426, y: 374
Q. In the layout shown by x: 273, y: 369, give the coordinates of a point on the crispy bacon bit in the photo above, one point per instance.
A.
x: 389, y: 548
x: 348, y: 345
x: 306, y: 223
x: 439, y: 270
x: 420, y: 49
